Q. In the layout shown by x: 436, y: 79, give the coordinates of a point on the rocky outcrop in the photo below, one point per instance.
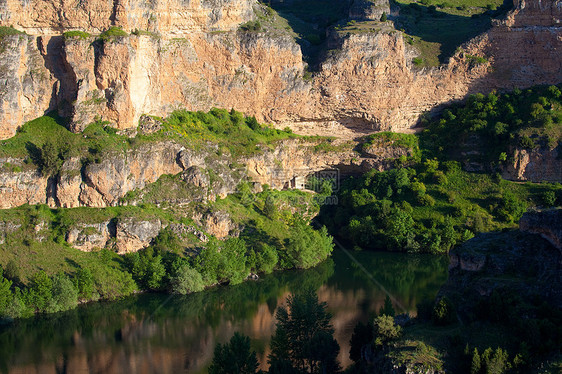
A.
x: 547, y: 224
x: 26, y: 86
x: 205, y: 174
x: 89, y: 236
x: 132, y: 234
x: 515, y: 261
x: 538, y: 165
x: 165, y: 16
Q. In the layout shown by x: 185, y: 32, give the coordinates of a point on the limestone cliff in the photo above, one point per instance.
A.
x: 538, y: 165
x: 107, y: 182
x: 193, y: 55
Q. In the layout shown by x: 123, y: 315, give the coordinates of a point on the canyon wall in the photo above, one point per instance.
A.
x: 192, y: 54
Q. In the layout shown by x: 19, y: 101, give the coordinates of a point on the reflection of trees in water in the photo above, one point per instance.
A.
x: 408, y: 278
x: 182, y: 331
x: 191, y: 324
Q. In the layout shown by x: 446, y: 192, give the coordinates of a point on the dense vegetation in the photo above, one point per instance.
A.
x: 428, y: 203
x: 47, y: 143
x: 271, y: 240
x: 486, y: 129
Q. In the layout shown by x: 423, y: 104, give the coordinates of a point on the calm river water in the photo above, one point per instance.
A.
x: 153, y: 333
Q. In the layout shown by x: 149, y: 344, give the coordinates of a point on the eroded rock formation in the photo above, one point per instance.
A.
x: 192, y: 55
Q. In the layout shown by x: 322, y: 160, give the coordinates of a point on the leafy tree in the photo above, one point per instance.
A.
x: 5, y: 293
x: 443, y: 312
x: 84, y: 282
x: 383, y: 17
x: 234, y: 357
x: 49, y: 161
x: 40, y: 292
x: 147, y: 268
x: 303, y: 337
x: 187, y: 280
x: 64, y: 294
x: 306, y: 247
x: 232, y: 263
x: 385, y: 330
x: 266, y: 259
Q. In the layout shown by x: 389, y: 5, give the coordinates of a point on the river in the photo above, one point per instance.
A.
x: 154, y: 333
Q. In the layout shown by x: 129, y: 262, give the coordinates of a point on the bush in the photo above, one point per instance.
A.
x: 307, y: 247
x: 251, y: 26
x: 84, y: 283
x: 385, y: 330
x: 549, y: 198
x: 186, y: 280
x: 76, y: 34
x: 426, y: 200
x: 64, y: 294
x: 383, y: 17
x: 443, y: 312
x: 113, y: 32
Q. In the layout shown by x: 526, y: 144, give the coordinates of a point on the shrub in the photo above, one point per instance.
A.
x: 307, y: 247
x: 76, y: 34
x: 385, y: 330
x: 84, y: 283
x: 443, y: 312
x: 186, y: 280
x: 113, y: 32
x: 549, y: 198
x: 64, y: 294
x: 383, y: 17
x: 251, y: 26
x: 426, y: 200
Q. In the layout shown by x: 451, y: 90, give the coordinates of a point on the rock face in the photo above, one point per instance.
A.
x: 166, y: 16
x: 105, y: 183
x: 537, y: 165
x: 518, y: 261
x: 523, y: 263
x: 197, y: 58
x: 547, y: 224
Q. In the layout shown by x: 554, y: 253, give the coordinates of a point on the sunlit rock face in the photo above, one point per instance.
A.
x: 192, y: 54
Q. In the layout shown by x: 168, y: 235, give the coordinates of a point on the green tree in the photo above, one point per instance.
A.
x: 303, y: 336
x: 234, y: 357
x: 387, y: 309
x: 362, y: 335
x: 5, y: 293
x: 40, y: 292
x: 385, y: 330
x: 64, y: 294
x: 49, y: 162
x: 443, y: 312
x: 476, y: 363
x: 383, y: 17
x: 84, y: 282
x: 186, y: 280
x: 307, y: 247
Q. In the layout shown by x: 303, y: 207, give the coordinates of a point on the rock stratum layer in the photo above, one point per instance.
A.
x: 193, y: 55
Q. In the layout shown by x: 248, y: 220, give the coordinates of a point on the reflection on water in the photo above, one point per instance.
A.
x: 163, y: 334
